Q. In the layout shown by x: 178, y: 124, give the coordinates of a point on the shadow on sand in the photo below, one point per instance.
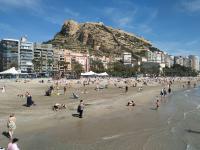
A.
x: 75, y: 115
x: 6, y: 134
x: 192, y: 131
x: 153, y: 108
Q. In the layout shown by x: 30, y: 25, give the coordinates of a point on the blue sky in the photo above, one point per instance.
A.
x: 171, y: 25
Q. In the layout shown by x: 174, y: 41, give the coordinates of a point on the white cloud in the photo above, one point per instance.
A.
x: 190, y: 5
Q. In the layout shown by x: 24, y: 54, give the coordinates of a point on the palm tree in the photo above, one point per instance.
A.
x: 64, y: 65
x: 36, y: 64
x: 41, y: 61
x: 77, y: 68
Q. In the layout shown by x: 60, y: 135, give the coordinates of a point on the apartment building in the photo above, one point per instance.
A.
x: 26, y: 55
x: 9, y: 53
x: 43, y: 56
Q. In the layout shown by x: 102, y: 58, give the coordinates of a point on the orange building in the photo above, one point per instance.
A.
x: 82, y: 58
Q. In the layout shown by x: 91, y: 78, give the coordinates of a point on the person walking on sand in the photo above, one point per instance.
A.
x: 11, y: 125
x: 126, y: 89
x: 81, y: 108
x: 65, y: 89
x: 169, y: 90
x: 13, y: 145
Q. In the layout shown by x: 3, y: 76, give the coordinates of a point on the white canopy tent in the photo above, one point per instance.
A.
x: 12, y: 71
x: 102, y: 74
x: 90, y: 73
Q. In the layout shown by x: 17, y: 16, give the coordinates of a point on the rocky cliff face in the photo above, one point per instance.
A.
x: 97, y: 39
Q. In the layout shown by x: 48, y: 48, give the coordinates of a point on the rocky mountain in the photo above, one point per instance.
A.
x: 97, y: 38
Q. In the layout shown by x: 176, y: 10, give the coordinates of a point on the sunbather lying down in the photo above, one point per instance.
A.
x: 75, y: 96
x: 58, y: 106
x: 131, y: 103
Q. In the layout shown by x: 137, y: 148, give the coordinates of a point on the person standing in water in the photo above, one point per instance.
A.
x: 157, y: 103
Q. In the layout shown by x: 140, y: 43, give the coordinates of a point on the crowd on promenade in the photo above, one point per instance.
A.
x: 98, y: 84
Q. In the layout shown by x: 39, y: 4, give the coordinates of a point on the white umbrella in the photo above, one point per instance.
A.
x: 103, y: 74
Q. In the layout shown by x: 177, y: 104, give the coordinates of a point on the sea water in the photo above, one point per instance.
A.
x: 182, y: 131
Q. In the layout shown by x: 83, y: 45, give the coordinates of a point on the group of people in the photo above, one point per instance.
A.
x: 163, y: 94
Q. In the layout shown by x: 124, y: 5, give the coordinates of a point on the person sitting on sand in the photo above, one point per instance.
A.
x: 29, y: 101
x: 58, y: 106
x: 131, y: 103
x: 75, y: 96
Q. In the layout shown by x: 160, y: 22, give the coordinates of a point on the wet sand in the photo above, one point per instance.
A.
x: 107, y: 123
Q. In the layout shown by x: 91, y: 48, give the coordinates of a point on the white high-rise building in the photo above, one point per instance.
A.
x: 127, y: 58
x: 26, y: 55
x: 194, y: 62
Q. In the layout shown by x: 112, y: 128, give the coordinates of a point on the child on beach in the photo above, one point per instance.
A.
x: 157, y: 104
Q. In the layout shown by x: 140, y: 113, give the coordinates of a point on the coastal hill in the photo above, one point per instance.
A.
x: 98, y: 39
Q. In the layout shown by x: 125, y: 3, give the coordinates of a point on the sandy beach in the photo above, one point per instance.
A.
x: 107, y: 123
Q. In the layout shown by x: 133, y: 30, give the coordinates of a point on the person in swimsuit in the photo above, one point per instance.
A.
x: 11, y: 125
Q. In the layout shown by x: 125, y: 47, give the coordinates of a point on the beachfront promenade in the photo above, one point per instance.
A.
x: 106, y: 115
